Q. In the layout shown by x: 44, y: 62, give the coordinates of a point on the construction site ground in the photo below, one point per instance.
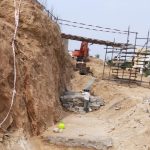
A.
x: 125, y: 118
x: 43, y: 74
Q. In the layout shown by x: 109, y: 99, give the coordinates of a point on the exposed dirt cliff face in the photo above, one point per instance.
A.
x: 43, y: 68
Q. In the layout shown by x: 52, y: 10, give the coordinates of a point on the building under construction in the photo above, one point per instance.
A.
x: 130, y: 64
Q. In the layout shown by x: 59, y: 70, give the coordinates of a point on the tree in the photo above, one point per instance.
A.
x: 97, y: 56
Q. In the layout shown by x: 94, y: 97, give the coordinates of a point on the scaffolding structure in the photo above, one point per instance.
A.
x: 130, y: 64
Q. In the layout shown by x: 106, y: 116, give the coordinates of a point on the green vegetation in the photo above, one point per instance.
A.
x: 110, y: 63
x: 97, y: 56
x: 122, y: 66
x: 126, y: 65
x: 147, y: 70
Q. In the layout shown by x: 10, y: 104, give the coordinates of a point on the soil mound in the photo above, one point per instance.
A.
x: 43, y: 68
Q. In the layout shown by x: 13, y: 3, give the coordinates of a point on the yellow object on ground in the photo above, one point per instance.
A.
x: 61, y: 125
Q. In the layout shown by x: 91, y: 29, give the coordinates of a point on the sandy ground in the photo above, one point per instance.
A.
x: 125, y: 117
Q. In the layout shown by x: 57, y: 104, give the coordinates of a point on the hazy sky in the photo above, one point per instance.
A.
x: 107, y: 13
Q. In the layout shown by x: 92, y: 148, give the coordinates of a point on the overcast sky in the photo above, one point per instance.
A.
x: 107, y: 13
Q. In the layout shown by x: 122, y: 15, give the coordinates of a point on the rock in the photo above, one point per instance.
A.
x: 90, y: 110
x: 113, y: 128
x: 117, y: 107
x: 81, y: 134
x: 74, y: 101
x: 147, y: 101
x: 56, y: 130
x: 98, y: 144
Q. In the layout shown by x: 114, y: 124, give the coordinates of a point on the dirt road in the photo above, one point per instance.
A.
x: 125, y: 118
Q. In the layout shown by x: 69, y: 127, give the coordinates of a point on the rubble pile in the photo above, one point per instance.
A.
x: 74, y: 101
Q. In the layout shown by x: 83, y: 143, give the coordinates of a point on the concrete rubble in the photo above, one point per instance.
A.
x: 74, y: 101
x: 98, y: 144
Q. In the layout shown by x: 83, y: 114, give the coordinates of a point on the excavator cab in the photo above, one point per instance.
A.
x: 83, y: 53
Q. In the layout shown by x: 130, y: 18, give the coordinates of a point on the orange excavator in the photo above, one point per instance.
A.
x: 81, y: 58
x: 83, y: 53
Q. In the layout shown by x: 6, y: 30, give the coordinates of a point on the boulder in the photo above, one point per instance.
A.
x: 74, y: 101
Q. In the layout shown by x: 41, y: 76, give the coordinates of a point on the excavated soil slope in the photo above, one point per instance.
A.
x: 42, y: 68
